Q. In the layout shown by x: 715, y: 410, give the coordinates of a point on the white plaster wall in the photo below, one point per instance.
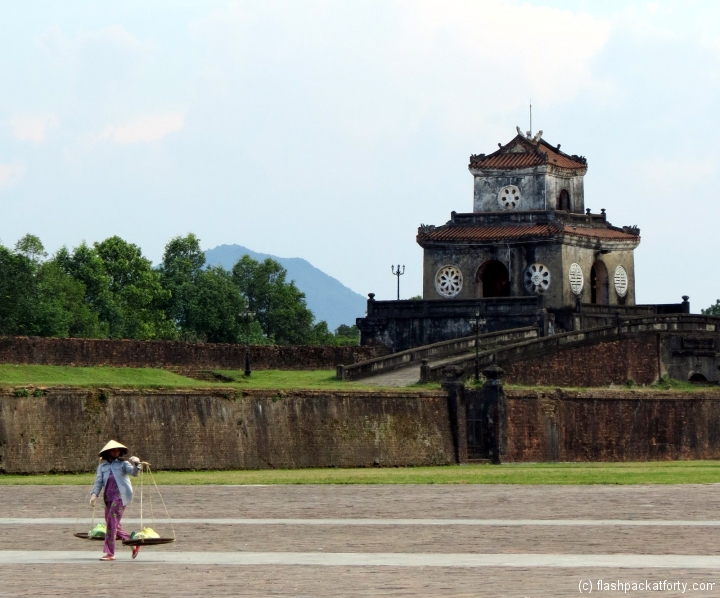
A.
x: 585, y: 258
x: 531, y: 183
x: 516, y: 259
x: 575, y: 187
x: 555, y: 256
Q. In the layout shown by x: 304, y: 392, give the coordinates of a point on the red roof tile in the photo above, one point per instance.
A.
x: 459, y: 234
x: 535, y: 154
x: 489, y: 233
x: 599, y: 233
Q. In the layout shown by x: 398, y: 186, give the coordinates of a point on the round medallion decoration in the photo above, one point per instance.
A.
x: 576, y: 278
x: 509, y: 197
x: 621, y: 281
x: 537, y: 278
x: 448, y: 281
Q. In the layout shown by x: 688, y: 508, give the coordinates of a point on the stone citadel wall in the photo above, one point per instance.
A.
x: 604, y: 425
x: 167, y: 354
x: 63, y: 429
x: 224, y: 429
x: 597, y: 365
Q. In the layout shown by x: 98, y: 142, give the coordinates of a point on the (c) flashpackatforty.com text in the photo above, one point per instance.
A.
x: 588, y: 586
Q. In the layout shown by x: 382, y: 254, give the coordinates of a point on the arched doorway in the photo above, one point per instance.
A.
x: 493, y: 280
x: 697, y: 378
x: 599, y: 287
x: 563, y: 201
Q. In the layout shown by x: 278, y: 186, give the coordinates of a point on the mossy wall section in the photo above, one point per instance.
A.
x: 63, y: 430
x: 174, y: 354
x: 610, y: 425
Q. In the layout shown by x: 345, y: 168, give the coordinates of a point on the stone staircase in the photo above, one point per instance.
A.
x: 403, y: 368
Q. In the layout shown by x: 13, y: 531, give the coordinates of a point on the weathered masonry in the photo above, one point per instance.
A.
x: 530, y: 253
x: 521, y: 425
x: 264, y: 429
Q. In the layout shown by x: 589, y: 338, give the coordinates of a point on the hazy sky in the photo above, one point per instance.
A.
x: 331, y: 130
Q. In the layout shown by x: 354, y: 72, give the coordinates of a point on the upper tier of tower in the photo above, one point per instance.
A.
x: 528, y: 174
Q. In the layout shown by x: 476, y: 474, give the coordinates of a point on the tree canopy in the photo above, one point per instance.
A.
x: 110, y: 290
x: 713, y: 310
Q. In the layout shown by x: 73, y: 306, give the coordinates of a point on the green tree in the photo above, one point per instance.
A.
x: 17, y: 291
x: 121, y: 287
x: 85, y: 266
x: 713, y: 310
x: 279, y: 306
x: 204, y: 302
x: 347, y: 335
x: 180, y: 272
x: 214, y: 314
x: 136, y: 290
x: 320, y: 335
x: 39, y: 298
x: 60, y: 308
x: 31, y: 247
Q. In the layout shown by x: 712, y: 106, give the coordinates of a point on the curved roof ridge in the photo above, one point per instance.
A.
x: 533, y: 153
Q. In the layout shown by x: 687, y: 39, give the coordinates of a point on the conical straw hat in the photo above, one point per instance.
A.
x: 114, y: 444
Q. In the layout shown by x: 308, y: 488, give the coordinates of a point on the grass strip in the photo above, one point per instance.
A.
x: 663, y: 472
x: 55, y: 375
x: 58, y: 375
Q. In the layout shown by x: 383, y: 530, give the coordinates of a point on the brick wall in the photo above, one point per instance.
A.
x: 219, y: 429
x: 162, y: 354
x: 600, y: 364
x: 222, y: 429
x: 606, y: 425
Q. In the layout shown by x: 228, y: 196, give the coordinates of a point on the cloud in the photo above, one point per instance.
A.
x: 11, y: 173
x: 546, y: 51
x: 142, y: 130
x: 389, y: 69
x: 689, y: 177
x: 58, y: 44
x: 33, y: 127
x: 149, y: 129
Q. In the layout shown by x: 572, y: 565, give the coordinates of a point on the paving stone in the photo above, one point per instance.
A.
x: 687, y: 502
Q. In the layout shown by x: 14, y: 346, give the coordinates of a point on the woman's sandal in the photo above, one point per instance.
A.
x: 136, y: 549
x: 107, y: 557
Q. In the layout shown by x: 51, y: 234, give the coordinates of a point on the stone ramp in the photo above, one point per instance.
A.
x: 410, y: 375
x: 680, y: 339
x: 403, y: 368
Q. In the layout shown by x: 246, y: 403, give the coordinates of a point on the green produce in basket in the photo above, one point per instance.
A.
x: 147, y: 532
x: 98, y: 531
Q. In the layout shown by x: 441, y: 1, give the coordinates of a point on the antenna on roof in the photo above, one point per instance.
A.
x: 530, y: 131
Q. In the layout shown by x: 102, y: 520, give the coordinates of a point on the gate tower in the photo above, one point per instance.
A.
x: 529, y: 254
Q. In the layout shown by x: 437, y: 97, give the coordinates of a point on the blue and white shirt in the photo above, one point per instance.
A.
x: 120, y: 470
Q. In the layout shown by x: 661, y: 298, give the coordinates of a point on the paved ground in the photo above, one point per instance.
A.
x: 357, y: 541
x: 396, y: 378
x: 406, y: 376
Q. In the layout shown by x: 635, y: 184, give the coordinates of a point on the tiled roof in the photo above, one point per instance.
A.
x: 489, y: 233
x: 535, y: 154
x: 599, y: 233
x: 481, y: 234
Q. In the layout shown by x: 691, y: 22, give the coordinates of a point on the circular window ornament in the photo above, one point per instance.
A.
x: 576, y: 278
x: 537, y: 278
x: 621, y: 281
x: 448, y: 281
x: 509, y: 197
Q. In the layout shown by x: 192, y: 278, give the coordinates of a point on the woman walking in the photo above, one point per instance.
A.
x: 113, y: 473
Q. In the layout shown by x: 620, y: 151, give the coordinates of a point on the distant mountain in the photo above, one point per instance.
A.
x: 327, y: 297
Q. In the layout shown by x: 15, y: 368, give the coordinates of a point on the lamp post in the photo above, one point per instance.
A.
x: 247, y: 316
x: 398, y: 274
x: 478, y: 322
